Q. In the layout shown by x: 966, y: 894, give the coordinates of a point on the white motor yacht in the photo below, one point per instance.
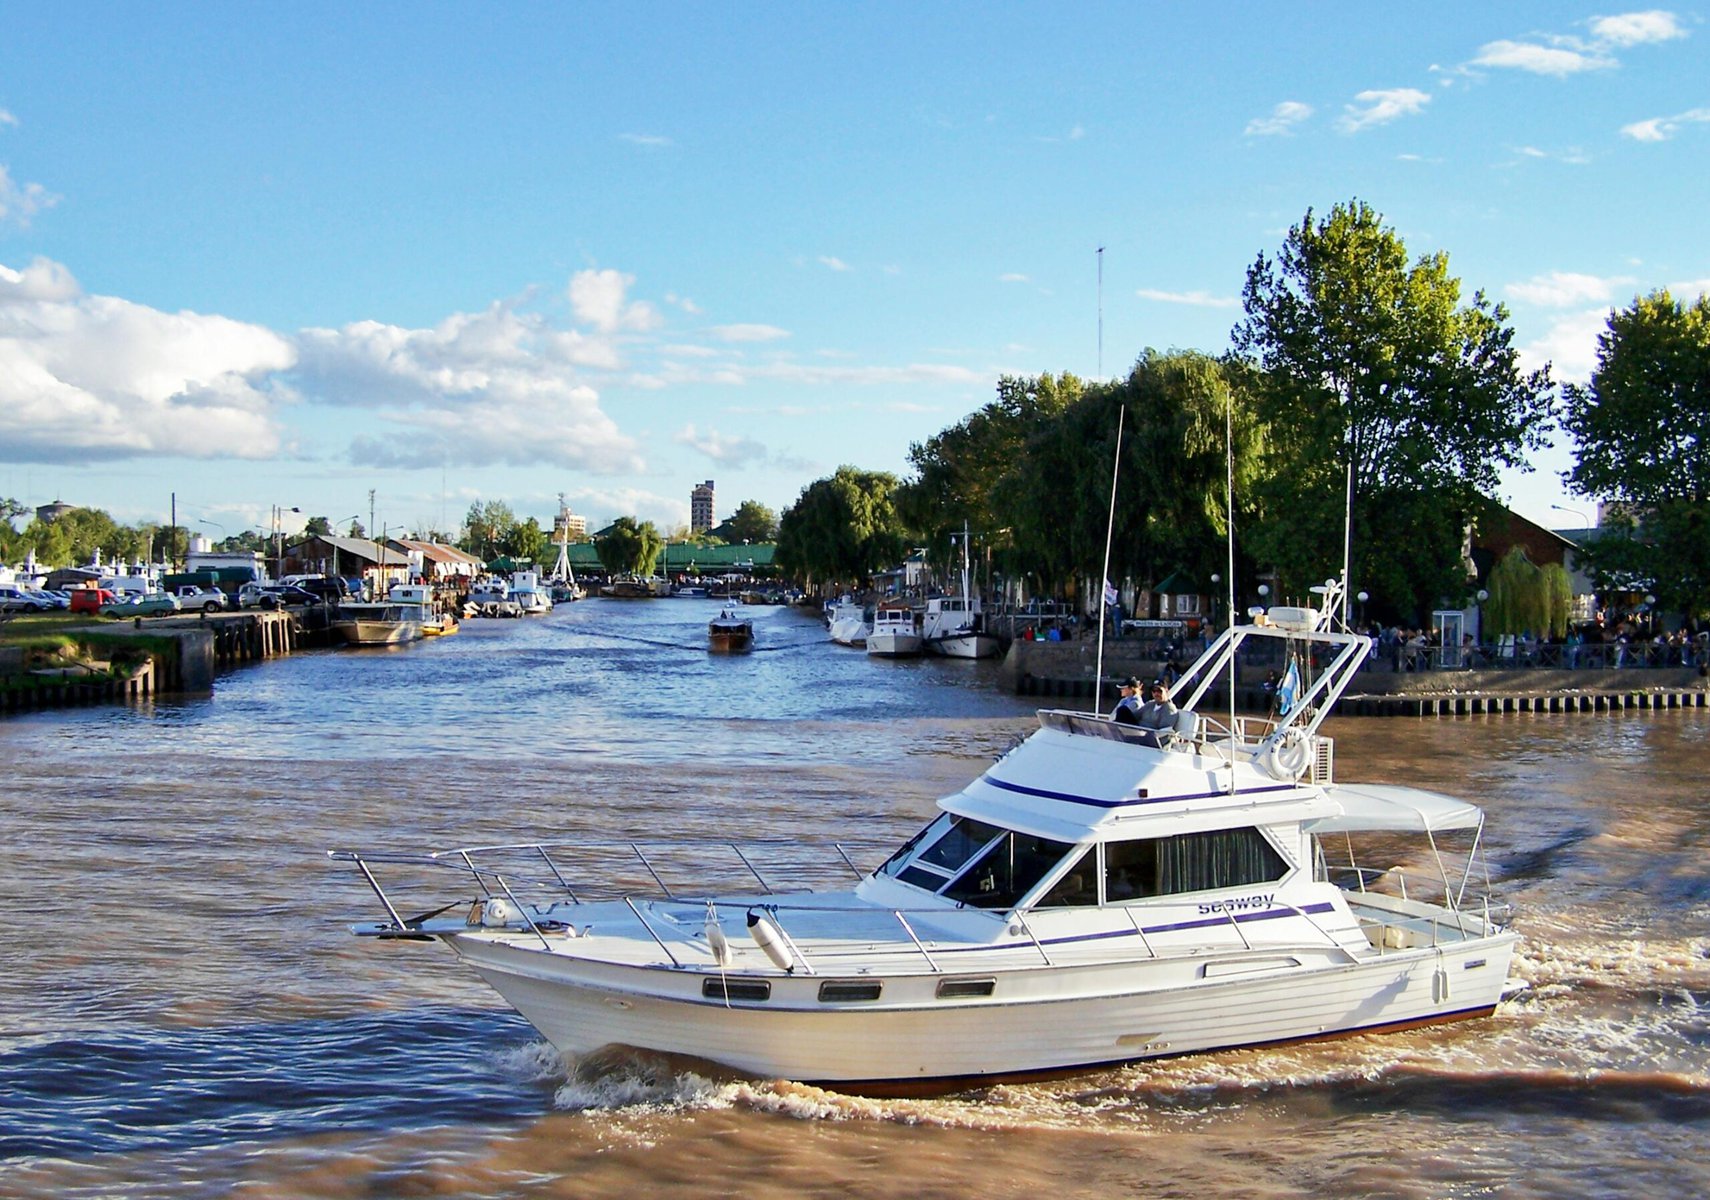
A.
x: 847, y: 623
x: 1100, y: 894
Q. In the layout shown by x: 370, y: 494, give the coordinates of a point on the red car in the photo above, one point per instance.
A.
x: 90, y: 600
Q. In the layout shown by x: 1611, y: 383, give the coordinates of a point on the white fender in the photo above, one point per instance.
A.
x: 767, y: 937
x: 716, y: 941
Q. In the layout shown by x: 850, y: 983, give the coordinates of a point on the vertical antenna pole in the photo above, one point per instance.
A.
x: 1104, y: 581
x: 1101, y: 312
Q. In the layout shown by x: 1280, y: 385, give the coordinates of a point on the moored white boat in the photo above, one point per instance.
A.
x: 1100, y: 894
x: 847, y: 623
x: 953, y: 626
x: 397, y: 619
x: 530, y: 594
x: 895, y: 632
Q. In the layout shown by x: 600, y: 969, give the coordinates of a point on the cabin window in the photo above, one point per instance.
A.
x: 949, y: 842
x: 1191, y: 862
x: 1006, y: 871
x: 1076, y: 887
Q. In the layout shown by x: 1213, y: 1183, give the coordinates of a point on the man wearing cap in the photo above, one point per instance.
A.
x: 1127, y: 710
x: 1159, y: 711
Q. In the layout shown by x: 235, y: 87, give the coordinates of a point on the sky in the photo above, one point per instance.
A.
x: 383, y: 261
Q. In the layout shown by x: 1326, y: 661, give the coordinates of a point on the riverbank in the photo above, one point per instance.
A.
x: 1067, y: 669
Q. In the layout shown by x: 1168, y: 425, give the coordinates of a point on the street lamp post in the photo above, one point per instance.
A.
x: 279, y: 539
x: 1585, y: 521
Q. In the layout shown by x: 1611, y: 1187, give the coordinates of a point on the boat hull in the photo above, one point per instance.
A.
x: 885, y: 644
x: 964, y: 645
x: 729, y: 641
x: 1037, y: 1022
x: 377, y: 633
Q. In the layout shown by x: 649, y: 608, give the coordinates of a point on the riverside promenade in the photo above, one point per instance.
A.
x: 1066, y: 669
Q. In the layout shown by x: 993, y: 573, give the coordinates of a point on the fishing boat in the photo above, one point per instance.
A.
x: 529, y: 594
x: 730, y: 632
x: 399, y: 618
x: 953, y: 626
x: 895, y: 632
x: 1100, y: 894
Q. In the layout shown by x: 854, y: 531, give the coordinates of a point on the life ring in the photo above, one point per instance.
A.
x: 1286, y: 756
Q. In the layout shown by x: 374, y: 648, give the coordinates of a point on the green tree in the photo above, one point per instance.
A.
x: 525, y: 539
x: 1519, y: 598
x: 317, y: 527
x: 841, y: 528
x: 752, y: 522
x: 629, y: 547
x: 1373, y: 372
x: 486, y: 526
x: 1639, y: 433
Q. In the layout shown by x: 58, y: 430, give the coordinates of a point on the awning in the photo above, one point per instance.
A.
x: 1376, y: 806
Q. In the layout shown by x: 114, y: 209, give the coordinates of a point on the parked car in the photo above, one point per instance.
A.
x: 89, y: 600
x: 154, y: 604
x: 21, y: 599
x: 284, y: 595
x: 208, y: 600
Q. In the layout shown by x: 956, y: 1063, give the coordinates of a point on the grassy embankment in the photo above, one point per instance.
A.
x: 61, y: 649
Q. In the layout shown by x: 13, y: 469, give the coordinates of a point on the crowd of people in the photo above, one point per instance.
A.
x: 1626, y: 644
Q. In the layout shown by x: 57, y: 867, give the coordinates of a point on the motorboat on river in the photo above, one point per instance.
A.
x: 1100, y: 894
x: 730, y: 632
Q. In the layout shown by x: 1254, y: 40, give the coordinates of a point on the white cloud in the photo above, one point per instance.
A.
x: 1563, y: 289
x: 7, y: 118
x: 21, y: 201
x: 478, y: 389
x: 748, y: 333
x: 1661, y: 129
x: 1689, y: 288
x: 598, y: 297
x: 1195, y: 299
x: 96, y: 377
x: 1562, y: 55
x: 1284, y: 117
x: 1570, y: 346
x: 1633, y: 29
x: 651, y: 140
x: 727, y: 451
x: 1012, y: 277
x: 835, y: 264
x: 1558, y: 60
x: 1380, y: 107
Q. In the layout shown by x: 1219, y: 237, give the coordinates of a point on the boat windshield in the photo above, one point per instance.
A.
x: 973, y: 863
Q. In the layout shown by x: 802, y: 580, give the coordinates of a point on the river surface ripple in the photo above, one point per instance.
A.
x: 182, y: 1013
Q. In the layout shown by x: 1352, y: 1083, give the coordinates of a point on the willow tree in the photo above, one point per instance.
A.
x: 1382, y: 393
x: 629, y: 547
x: 969, y: 473
x: 841, y: 528
x: 1518, y: 601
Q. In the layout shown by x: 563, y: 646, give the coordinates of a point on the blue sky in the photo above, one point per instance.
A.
x: 288, y: 255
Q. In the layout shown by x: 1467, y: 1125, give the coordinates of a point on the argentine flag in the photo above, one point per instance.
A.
x: 1288, y: 689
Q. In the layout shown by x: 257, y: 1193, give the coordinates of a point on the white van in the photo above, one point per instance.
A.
x: 126, y: 585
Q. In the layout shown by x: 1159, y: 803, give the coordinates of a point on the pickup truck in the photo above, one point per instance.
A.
x: 208, y: 600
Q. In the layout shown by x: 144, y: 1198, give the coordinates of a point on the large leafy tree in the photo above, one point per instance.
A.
x: 963, y: 473
x: 1374, y: 373
x: 841, y: 528
x: 524, y: 540
x: 752, y: 522
x: 629, y: 547
x: 486, y: 526
x: 1640, y: 430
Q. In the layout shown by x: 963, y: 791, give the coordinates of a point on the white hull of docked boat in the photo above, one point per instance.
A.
x: 964, y: 645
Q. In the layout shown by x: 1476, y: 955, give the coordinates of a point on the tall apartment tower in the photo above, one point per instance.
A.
x: 701, y: 508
